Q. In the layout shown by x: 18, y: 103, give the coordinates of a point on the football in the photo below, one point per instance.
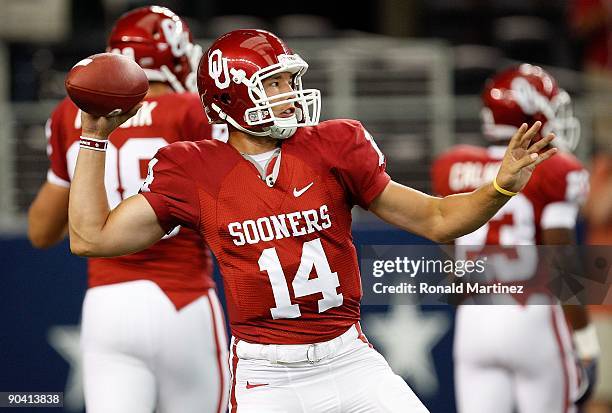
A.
x: 106, y: 84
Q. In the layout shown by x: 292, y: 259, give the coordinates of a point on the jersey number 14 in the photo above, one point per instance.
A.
x: 326, y: 281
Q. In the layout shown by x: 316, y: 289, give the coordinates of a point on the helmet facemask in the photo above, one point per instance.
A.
x: 261, y: 116
x: 563, y: 124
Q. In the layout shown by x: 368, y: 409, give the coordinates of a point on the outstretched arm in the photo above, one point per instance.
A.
x: 439, y: 219
x: 95, y: 230
x: 444, y: 219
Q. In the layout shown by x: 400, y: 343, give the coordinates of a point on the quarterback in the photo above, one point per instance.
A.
x: 153, y: 333
x: 274, y: 205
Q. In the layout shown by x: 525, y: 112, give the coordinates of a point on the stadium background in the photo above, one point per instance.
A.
x: 410, y: 70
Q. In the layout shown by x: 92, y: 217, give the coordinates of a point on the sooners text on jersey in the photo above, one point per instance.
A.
x: 286, y: 254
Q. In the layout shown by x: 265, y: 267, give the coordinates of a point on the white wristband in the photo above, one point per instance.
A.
x: 586, y: 342
x: 93, y: 144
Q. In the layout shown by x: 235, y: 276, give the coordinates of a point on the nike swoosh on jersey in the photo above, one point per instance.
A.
x: 252, y: 386
x: 297, y: 193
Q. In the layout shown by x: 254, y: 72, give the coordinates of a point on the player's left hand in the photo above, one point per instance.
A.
x: 520, y: 159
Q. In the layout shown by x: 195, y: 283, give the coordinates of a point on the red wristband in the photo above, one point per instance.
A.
x: 93, y: 144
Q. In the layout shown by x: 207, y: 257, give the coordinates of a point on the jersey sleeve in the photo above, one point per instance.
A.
x: 171, y: 192
x: 362, y: 166
x: 565, y: 184
x: 56, y: 152
x: 564, y: 180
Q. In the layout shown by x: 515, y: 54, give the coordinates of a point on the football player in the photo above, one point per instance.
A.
x: 274, y: 205
x: 152, y: 334
x: 513, y: 357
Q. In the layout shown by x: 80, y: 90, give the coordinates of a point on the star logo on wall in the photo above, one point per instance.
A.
x: 66, y: 341
x: 407, y: 337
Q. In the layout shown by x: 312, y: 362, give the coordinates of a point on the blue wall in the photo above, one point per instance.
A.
x: 43, y: 289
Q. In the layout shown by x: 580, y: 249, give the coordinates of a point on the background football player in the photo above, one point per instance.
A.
x: 516, y: 357
x: 274, y: 204
x: 153, y: 334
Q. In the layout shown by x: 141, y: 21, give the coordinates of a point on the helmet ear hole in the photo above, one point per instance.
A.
x: 226, y: 98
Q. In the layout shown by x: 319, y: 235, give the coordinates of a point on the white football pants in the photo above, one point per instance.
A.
x: 513, y: 358
x: 354, y: 378
x: 141, y: 355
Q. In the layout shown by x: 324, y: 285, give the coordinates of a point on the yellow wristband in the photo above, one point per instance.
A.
x: 502, y: 190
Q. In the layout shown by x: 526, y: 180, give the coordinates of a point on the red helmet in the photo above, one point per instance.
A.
x: 525, y: 94
x: 230, y: 83
x: 161, y: 43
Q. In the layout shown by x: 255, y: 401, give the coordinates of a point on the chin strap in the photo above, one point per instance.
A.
x: 195, y: 54
x: 235, y: 124
x: 172, y: 80
x: 164, y: 75
x: 276, y: 131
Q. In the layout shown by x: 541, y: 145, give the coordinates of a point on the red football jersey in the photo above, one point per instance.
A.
x: 289, y: 266
x: 180, y: 264
x: 560, y: 182
x: 551, y: 199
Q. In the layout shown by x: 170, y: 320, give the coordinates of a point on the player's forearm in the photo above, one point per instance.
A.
x: 439, y: 219
x: 48, y: 216
x: 464, y: 213
x: 88, y: 209
x: 45, y: 234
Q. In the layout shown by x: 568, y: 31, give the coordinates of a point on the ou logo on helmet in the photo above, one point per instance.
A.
x: 176, y: 37
x: 530, y: 100
x: 217, y: 69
